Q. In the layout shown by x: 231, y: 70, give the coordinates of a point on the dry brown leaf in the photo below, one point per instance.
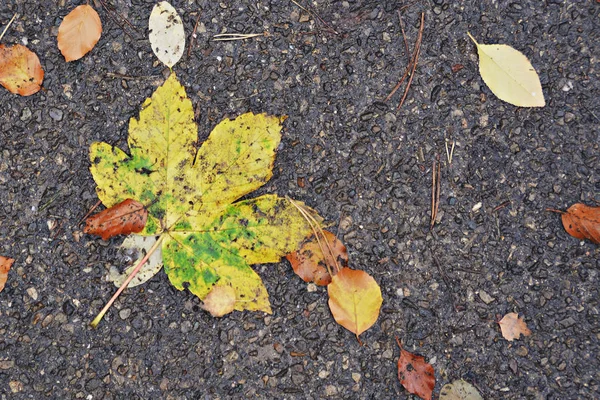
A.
x: 512, y: 327
x: 79, y: 32
x: 20, y: 70
x: 582, y: 222
x: 220, y: 301
x: 310, y: 264
x: 128, y: 216
x: 416, y: 375
x: 5, y: 264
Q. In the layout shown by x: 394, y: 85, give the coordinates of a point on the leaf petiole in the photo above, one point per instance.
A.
x: 137, y: 268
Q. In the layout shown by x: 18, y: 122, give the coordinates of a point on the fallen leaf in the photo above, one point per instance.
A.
x: 79, y: 32
x: 5, y: 264
x: 354, y: 300
x: 167, y: 36
x: 459, y: 390
x: 509, y: 75
x: 512, y: 327
x: 207, y: 239
x: 220, y: 301
x: 141, y: 245
x: 121, y: 219
x: 582, y: 222
x: 310, y: 264
x: 417, y: 376
x: 20, y: 70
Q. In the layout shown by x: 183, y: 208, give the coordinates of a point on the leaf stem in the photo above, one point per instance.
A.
x: 137, y: 268
x: 473, y: 39
x: 8, y: 26
x: 310, y: 219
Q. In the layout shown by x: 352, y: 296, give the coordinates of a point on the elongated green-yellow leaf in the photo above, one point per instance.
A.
x: 509, y: 75
x: 207, y: 240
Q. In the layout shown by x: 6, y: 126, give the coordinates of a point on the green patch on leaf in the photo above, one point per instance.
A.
x: 209, y: 239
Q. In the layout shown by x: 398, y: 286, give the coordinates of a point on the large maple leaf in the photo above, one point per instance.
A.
x: 208, y: 239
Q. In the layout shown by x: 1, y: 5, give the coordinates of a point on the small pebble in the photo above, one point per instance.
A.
x: 56, y: 114
x: 32, y: 292
x: 125, y: 313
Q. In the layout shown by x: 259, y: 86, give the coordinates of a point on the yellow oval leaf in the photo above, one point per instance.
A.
x: 79, y: 32
x: 20, y: 70
x: 354, y: 299
x: 167, y: 37
x: 509, y: 75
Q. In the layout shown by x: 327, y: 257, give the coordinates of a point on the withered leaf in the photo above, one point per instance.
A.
x: 5, y: 264
x: 310, y: 264
x: 128, y: 216
x: 416, y: 375
x: 513, y: 327
x: 582, y: 222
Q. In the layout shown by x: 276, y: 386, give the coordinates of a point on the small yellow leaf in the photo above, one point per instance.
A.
x: 509, y: 75
x: 220, y: 301
x: 79, y: 32
x: 354, y: 299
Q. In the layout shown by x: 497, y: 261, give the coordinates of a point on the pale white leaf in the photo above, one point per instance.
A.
x: 459, y: 390
x: 167, y: 36
x: 154, y: 264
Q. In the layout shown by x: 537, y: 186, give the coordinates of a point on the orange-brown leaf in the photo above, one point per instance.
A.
x: 20, y: 70
x: 129, y: 216
x: 310, y: 264
x: 582, y: 222
x: 5, y: 264
x: 79, y: 32
x: 417, y: 376
x: 354, y: 300
x: 512, y: 327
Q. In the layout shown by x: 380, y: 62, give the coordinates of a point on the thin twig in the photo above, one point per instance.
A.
x: 128, y: 78
x: 403, y: 33
x: 235, y: 36
x: 415, y: 61
x: 435, y: 190
x: 137, y: 268
x: 318, y: 17
x: 89, y: 212
x: 193, y: 35
x: 111, y: 16
x: 450, y: 153
x: 501, y: 206
x: 8, y: 25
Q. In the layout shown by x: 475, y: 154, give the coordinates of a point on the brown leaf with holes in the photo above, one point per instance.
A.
x: 79, y: 32
x: 128, y: 216
x: 310, y: 264
x: 5, y: 264
x: 512, y: 327
x: 582, y: 222
x: 416, y: 375
x: 20, y: 70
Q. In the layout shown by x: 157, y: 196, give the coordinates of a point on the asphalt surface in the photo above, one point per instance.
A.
x: 361, y: 162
